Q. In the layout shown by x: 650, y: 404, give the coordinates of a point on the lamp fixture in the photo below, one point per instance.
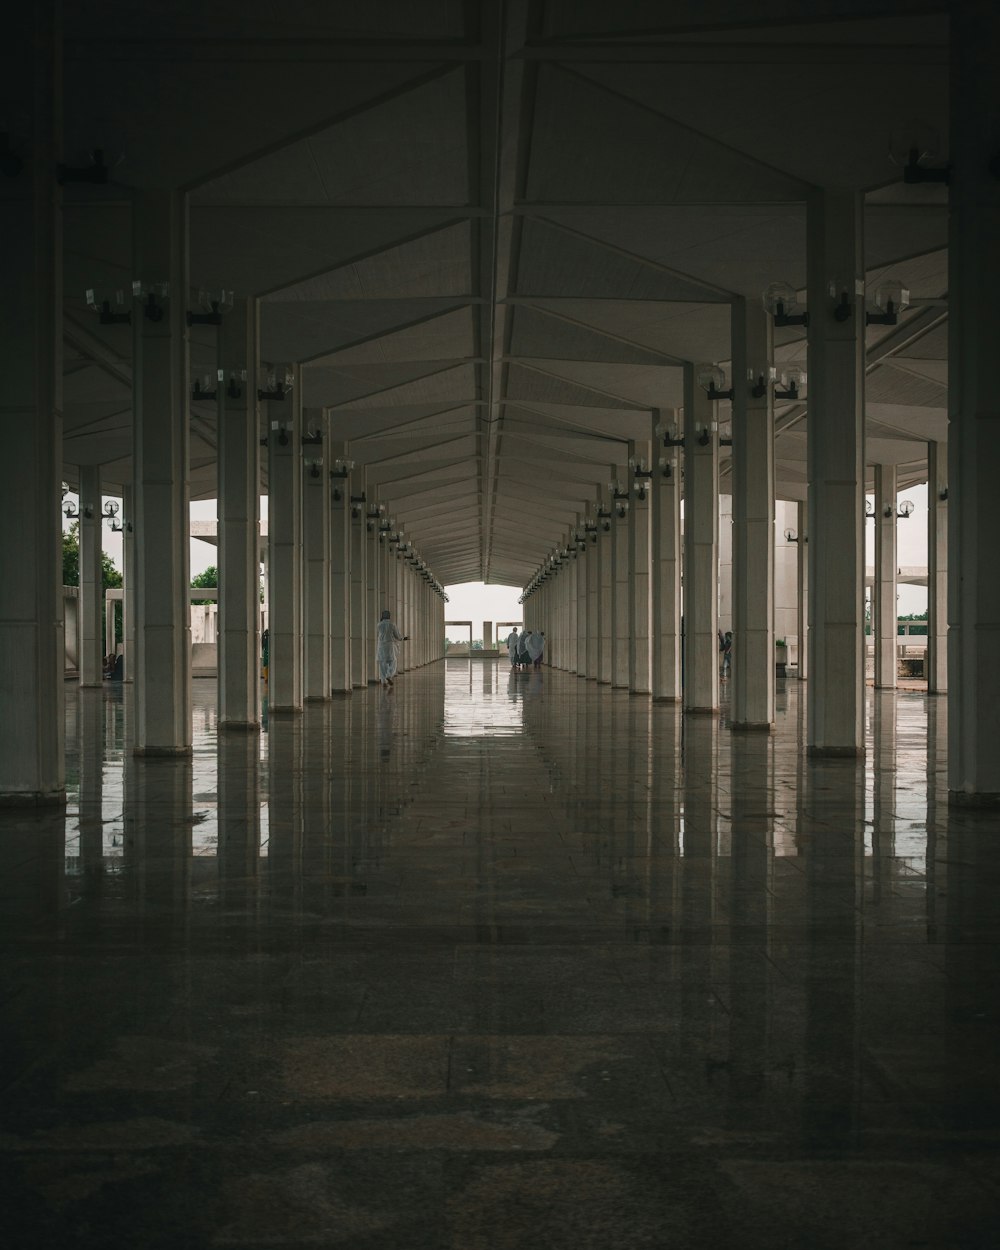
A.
x: 621, y: 507
x: 704, y: 434
x: 943, y: 493
x: 711, y: 380
x: 760, y: 380
x: 202, y: 387
x: 315, y: 468
x: 665, y: 467
x: 904, y: 510
x: 96, y: 172
x: 275, y: 387
x: 154, y: 296
x: 890, y: 299
x: 791, y: 536
x: 670, y: 434
x: 726, y: 439
x: 869, y: 508
x: 233, y: 388
x: 342, y: 468
x: 840, y: 293
x: 72, y: 511
x: 919, y: 143
x: 110, y: 514
x: 282, y: 429
x: 791, y: 379
x: 212, y: 306
x: 781, y: 301
x: 118, y: 315
x: 618, y: 489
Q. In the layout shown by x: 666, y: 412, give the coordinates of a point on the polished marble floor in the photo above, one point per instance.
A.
x: 495, y: 961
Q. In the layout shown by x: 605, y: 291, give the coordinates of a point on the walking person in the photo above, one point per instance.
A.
x: 523, y: 659
x: 512, y: 647
x: 387, y: 640
x: 535, y: 645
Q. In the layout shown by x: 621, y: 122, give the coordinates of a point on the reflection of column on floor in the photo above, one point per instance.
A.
x: 91, y: 746
x: 158, y: 837
x: 937, y: 808
x: 606, y: 589
x: 316, y: 554
x: 802, y: 590
x: 284, y: 811
x: 238, y: 818
x: 91, y: 578
x: 751, y: 866
x: 665, y: 564
x: 885, y: 628
x: 284, y: 542
x: 699, y: 866
x: 883, y: 763
x: 621, y: 593
x: 360, y: 629
x: 937, y: 568
x: 833, y: 861
x: 321, y: 821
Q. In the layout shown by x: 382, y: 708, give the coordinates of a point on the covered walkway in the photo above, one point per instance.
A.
x: 501, y: 960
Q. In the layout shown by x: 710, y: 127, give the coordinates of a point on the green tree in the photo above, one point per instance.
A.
x: 111, y: 578
x: 209, y: 577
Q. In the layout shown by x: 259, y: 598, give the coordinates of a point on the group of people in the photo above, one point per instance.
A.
x: 525, y: 648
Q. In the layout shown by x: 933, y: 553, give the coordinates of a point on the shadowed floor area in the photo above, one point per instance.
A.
x: 497, y: 961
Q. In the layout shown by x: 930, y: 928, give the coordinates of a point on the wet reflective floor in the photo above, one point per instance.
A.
x: 496, y: 960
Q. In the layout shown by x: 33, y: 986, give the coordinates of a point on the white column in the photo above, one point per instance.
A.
x: 360, y: 628
x: 340, y: 586
x: 239, y: 519
x: 31, y: 597
x: 884, y: 614
x: 621, y: 594
x: 937, y: 568
x: 701, y: 549
x: 753, y: 521
x: 372, y: 594
x: 836, y: 475
x: 606, y: 589
x: 582, y: 606
x: 665, y: 565
x: 973, y: 407
x: 593, y: 567
x: 640, y: 681
x: 316, y: 563
x: 160, y: 462
x: 91, y: 577
x: 802, y: 589
x: 284, y: 544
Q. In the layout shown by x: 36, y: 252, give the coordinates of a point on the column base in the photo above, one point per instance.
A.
x: 241, y: 726
x: 317, y: 698
x: 341, y: 694
x: 702, y: 711
x: 962, y: 798
x: 92, y: 685
x: 283, y: 709
x: 836, y: 753
x: 643, y: 693
x: 165, y: 753
x: 33, y: 798
x: 666, y: 698
x: 753, y: 726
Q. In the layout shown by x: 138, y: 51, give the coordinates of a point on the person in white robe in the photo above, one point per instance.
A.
x: 387, y: 643
x: 535, y: 644
x: 512, y: 647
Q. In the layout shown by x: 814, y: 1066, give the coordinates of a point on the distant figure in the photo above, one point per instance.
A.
x: 523, y: 659
x: 535, y: 644
x: 387, y: 643
x: 512, y: 647
x: 265, y: 652
x: 727, y: 653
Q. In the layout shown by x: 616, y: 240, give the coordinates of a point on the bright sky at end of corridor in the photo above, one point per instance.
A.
x: 478, y: 602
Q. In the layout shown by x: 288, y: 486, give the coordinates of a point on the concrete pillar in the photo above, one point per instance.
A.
x: 802, y: 589
x: 31, y: 599
x: 593, y: 567
x: 605, y: 588
x: 640, y: 680
x: 937, y: 568
x: 316, y: 551
x: 621, y: 594
x: 665, y: 564
x: 701, y: 549
x: 582, y: 603
x: 974, y: 407
x: 340, y: 586
x: 361, y: 631
x: 372, y: 594
x: 91, y: 577
x: 284, y: 545
x: 753, y: 521
x: 239, y: 519
x: 160, y: 460
x: 884, y: 611
x: 836, y: 475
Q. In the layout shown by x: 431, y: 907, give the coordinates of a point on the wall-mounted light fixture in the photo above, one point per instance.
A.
x: 669, y: 434
x: 913, y: 147
x: 282, y: 430
x: 712, y: 379
x: 791, y: 382
x: 840, y: 293
x: 760, y: 380
x: 869, y: 508
x: 665, y: 467
x: 315, y: 468
x: 792, y: 537
x: 153, y: 296
x: 96, y: 172
x: 212, y: 307
x: 890, y: 299
x: 726, y: 434
x: 110, y: 514
x: 703, y: 433
x: 72, y: 511
x: 234, y: 388
x: 782, y: 302
x: 202, y: 387
x: 904, y: 510
x: 943, y: 493
x: 111, y: 310
x: 275, y: 386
